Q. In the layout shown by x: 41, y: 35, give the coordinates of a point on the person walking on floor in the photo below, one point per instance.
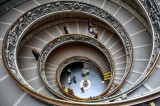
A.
x: 87, y: 71
x: 74, y: 79
x: 69, y: 71
x: 69, y: 80
x: 35, y: 53
x: 82, y: 89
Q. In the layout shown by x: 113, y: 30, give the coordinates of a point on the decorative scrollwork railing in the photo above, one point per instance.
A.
x: 10, y: 45
x: 77, y: 59
x: 152, y: 13
x: 153, y: 17
x: 20, y: 27
x: 69, y: 39
x: 74, y: 59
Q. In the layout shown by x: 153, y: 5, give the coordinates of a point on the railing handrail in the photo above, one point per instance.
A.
x: 58, y: 41
x: 11, y: 61
x: 59, y: 71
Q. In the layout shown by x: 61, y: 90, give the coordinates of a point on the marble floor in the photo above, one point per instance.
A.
x: 96, y: 86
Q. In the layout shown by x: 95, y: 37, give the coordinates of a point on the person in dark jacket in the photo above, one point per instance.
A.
x: 35, y: 53
x: 65, y: 30
x: 74, y: 79
x: 82, y: 89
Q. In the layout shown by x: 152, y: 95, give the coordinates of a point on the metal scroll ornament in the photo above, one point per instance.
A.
x: 61, y: 40
x: 20, y: 27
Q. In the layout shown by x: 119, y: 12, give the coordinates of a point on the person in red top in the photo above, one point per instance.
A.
x: 71, y: 91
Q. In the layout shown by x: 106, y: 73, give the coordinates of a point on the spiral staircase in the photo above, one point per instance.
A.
x: 127, y: 46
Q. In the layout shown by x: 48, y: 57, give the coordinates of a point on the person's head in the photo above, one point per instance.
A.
x: 33, y: 49
x: 65, y: 27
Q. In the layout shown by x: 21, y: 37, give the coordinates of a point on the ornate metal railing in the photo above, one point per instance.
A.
x: 14, y: 34
x: 20, y: 27
x: 153, y: 17
x: 151, y: 10
x: 61, y: 40
x: 91, y: 62
x: 133, y: 11
x: 153, y: 14
x: 74, y: 59
x: 6, y: 5
x: 62, y: 20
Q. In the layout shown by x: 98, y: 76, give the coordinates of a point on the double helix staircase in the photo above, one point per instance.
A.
x: 136, y: 82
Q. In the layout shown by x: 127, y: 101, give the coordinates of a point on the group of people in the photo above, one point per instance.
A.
x: 85, y: 72
x: 68, y: 90
x: 73, y: 79
x: 91, y: 29
x: 70, y: 79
